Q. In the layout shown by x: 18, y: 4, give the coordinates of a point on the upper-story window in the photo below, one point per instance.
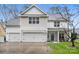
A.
x: 56, y: 24
x: 33, y: 20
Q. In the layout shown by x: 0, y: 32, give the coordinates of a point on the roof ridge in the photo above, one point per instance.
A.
x: 31, y: 7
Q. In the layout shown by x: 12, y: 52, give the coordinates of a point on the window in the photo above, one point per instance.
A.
x: 56, y: 24
x: 37, y: 20
x: 30, y: 20
x: 33, y: 20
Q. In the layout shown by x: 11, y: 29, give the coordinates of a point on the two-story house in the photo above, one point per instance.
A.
x: 34, y: 25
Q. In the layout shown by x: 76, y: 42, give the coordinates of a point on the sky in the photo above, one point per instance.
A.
x: 45, y: 7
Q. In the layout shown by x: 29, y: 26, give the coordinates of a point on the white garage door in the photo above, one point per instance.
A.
x: 30, y: 37
x: 14, y: 37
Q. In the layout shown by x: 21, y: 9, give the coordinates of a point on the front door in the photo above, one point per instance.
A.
x: 61, y: 37
x: 52, y: 37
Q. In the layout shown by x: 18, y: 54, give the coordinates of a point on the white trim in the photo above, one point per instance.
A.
x: 58, y: 36
x: 31, y: 7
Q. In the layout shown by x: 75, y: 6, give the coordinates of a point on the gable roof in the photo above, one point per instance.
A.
x: 31, y: 7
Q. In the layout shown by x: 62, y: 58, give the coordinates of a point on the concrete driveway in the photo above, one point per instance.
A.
x: 24, y: 48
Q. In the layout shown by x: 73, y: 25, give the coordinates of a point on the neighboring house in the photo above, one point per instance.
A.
x: 2, y: 32
x: 34, y: 25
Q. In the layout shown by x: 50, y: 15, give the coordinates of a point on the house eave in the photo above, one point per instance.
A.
x: 58, y: 29
x: 12, y: 25
x: 57, y: 20
x: 33, y: 15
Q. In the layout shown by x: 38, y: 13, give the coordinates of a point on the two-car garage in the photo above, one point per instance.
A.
x: 27, y: 37
x: 13, y: 34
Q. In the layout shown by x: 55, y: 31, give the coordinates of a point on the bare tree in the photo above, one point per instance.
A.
x: 70, y: 16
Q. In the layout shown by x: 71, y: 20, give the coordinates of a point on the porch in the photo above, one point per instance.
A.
x: 57, y: 36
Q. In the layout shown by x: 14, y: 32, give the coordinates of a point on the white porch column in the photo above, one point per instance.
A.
x: 58, y: 36
x: 49, y: 38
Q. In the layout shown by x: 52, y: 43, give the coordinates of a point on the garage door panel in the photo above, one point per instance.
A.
x: 34, y: 37
x: 14, y: 37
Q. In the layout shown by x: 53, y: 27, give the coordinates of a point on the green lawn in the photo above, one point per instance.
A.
x: 64, y: 48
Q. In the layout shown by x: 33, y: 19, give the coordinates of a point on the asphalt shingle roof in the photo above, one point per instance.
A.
x: 55, y: 17
x: 13, y: 22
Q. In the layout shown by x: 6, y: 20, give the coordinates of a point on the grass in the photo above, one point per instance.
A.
x: 64, y: 48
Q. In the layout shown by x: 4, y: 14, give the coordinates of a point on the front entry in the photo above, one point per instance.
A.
x: 61, y: 37
x: 52, y: 37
